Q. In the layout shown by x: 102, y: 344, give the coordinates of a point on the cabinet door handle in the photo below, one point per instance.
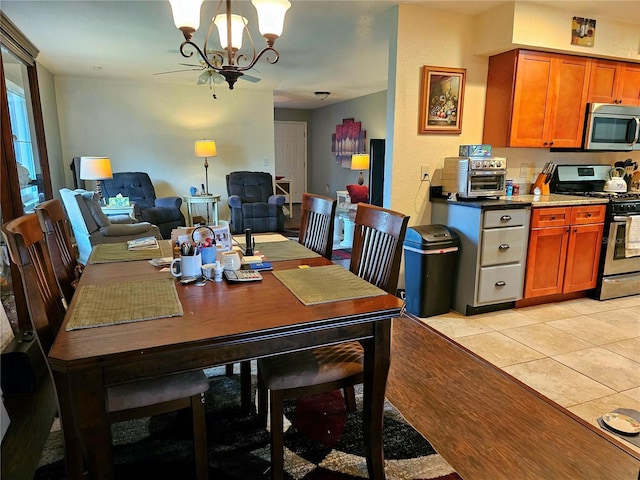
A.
x: 588, y: 214
x: 505, y: 218
x: 501, y: 283
x: 552, y: 217
x: 503, y: 246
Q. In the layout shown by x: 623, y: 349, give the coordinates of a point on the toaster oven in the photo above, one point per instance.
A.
x: 474, y: 177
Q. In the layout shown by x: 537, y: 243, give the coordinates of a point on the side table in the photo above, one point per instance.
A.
x: 191, y: 200
x: 110, y: 211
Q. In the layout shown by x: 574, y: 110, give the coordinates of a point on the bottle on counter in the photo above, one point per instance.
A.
x: 509, y: 188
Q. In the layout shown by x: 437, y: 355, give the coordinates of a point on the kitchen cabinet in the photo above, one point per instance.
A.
x: 564, y: 249
x: 536, y: 99
x: 614, y: 82
x: 493, y: 245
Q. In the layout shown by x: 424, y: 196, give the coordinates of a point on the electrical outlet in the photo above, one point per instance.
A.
x: 326, y: 188
x: 265, y: 162
x: 524, y: 170
x: 424, y: 173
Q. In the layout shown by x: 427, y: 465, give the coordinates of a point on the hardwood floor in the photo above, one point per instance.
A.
x: 489, y: 425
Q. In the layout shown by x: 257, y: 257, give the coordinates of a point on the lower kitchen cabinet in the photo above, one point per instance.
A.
x: 564, y: 248
x: 493, y: 238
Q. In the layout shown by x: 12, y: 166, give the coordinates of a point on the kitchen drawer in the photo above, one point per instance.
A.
x: 550, y: 217
x: 500, y: 284
x: 504, y: 218
x: 586, y: 214
x: 502, y: 245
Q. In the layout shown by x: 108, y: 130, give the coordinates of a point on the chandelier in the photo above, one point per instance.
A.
x: 231, y: 27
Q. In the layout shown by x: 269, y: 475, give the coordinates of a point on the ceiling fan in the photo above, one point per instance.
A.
x: 209, y: 76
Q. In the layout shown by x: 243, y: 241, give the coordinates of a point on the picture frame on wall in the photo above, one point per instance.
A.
x: 441, y: 99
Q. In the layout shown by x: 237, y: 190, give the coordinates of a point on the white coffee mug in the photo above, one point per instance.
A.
x: 208, y: 270
x: 186, y: 266
x: 231, y: 260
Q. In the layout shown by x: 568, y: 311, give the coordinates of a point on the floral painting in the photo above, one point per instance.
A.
x: 441, y: 99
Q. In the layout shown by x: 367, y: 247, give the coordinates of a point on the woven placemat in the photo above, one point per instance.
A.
x: 124, y: 302
x: 118, y: 252
x: 289, y: 250
x: 330, y: 283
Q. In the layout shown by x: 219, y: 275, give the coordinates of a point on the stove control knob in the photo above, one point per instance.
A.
x: 498, y: 163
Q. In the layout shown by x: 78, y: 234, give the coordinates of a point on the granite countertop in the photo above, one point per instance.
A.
x: 523, y: 201
x: 555, y: 200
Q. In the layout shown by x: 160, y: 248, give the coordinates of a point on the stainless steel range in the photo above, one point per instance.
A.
x: 618, y: 275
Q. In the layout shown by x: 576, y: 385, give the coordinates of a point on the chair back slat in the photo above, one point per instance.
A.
x: 377, y: 245
x: 54, y: 226
x: 29, y: 252
x: 316, y: 223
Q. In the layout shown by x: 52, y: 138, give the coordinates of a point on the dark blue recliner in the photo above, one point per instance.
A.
x: 253, y: 204
x: 163, y: 212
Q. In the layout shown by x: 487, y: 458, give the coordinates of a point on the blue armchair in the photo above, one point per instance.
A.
x: 253, y: 204
x: 164, y: 212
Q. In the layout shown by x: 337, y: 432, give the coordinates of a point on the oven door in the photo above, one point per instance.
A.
x: 486, y: 183
x: 615, y: 262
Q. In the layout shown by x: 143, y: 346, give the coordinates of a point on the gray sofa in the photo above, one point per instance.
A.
x: 92, y: 227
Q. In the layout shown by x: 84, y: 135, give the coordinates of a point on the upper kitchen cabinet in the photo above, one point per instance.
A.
x: 614, y: 82
x: 536, y: 99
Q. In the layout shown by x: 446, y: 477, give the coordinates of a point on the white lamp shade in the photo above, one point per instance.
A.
x: 360, y: 161
x: 271, y: 15
x: 238, y: 23
x: 205, y: 148
x: 95, y: 168
x: 186, y: 13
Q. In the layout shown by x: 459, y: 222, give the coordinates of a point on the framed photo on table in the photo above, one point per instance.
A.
x: 441, y: 99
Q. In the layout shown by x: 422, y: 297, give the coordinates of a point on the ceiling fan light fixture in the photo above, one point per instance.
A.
x: 238, y: 23
x: 186, y: 15
x: 322, y: 95
x: 231, y: 28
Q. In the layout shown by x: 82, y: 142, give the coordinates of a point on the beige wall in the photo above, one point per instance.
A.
x: 152, y: 127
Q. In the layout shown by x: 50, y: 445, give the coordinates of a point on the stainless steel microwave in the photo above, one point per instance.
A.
x: 612, y: 127
x: 474, y: 177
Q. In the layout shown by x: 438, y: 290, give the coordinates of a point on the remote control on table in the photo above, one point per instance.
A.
x: 242, y: 275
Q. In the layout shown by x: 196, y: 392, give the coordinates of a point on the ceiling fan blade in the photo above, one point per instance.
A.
x: 176, y: 71
x: 200, y: 67
x: 249, y: 78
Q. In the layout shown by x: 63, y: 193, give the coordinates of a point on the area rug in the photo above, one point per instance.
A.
x: 342, y: 254
x: 323, y: 442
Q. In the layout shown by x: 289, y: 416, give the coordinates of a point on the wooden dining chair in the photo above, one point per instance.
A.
x: 144, y: 398
x: 316, y: 233
x: 316, y: 223
x: 375, y: 257
x: 53, y: 224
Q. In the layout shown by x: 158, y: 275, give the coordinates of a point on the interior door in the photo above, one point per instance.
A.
x: 291, y: 156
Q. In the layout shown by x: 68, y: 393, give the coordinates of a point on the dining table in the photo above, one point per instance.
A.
x: 208, y: 325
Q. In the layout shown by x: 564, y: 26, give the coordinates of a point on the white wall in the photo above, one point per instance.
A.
x: 57, y: 164
x: 152, y: 128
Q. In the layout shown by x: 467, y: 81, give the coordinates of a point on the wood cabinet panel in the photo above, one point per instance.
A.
x: 550, y: 217
x: 587, y: 214
x: 584, y: 246
x: 614, y: 82
x: 545, y: 261
x: 536, y: 99
x: 564, y: 249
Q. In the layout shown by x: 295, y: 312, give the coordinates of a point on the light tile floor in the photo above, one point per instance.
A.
x: 583, y: 354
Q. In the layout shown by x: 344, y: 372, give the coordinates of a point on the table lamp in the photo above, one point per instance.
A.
x: 360, y: 161
x: 205, y: 149
x: 95, y: 168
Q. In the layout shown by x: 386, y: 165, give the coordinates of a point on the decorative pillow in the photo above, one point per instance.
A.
x: 358, y: 193
x: 91, y: 200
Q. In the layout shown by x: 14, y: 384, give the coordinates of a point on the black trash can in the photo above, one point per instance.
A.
x: 430, y: 261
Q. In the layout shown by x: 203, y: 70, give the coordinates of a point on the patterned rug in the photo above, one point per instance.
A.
x: 323, y: 442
